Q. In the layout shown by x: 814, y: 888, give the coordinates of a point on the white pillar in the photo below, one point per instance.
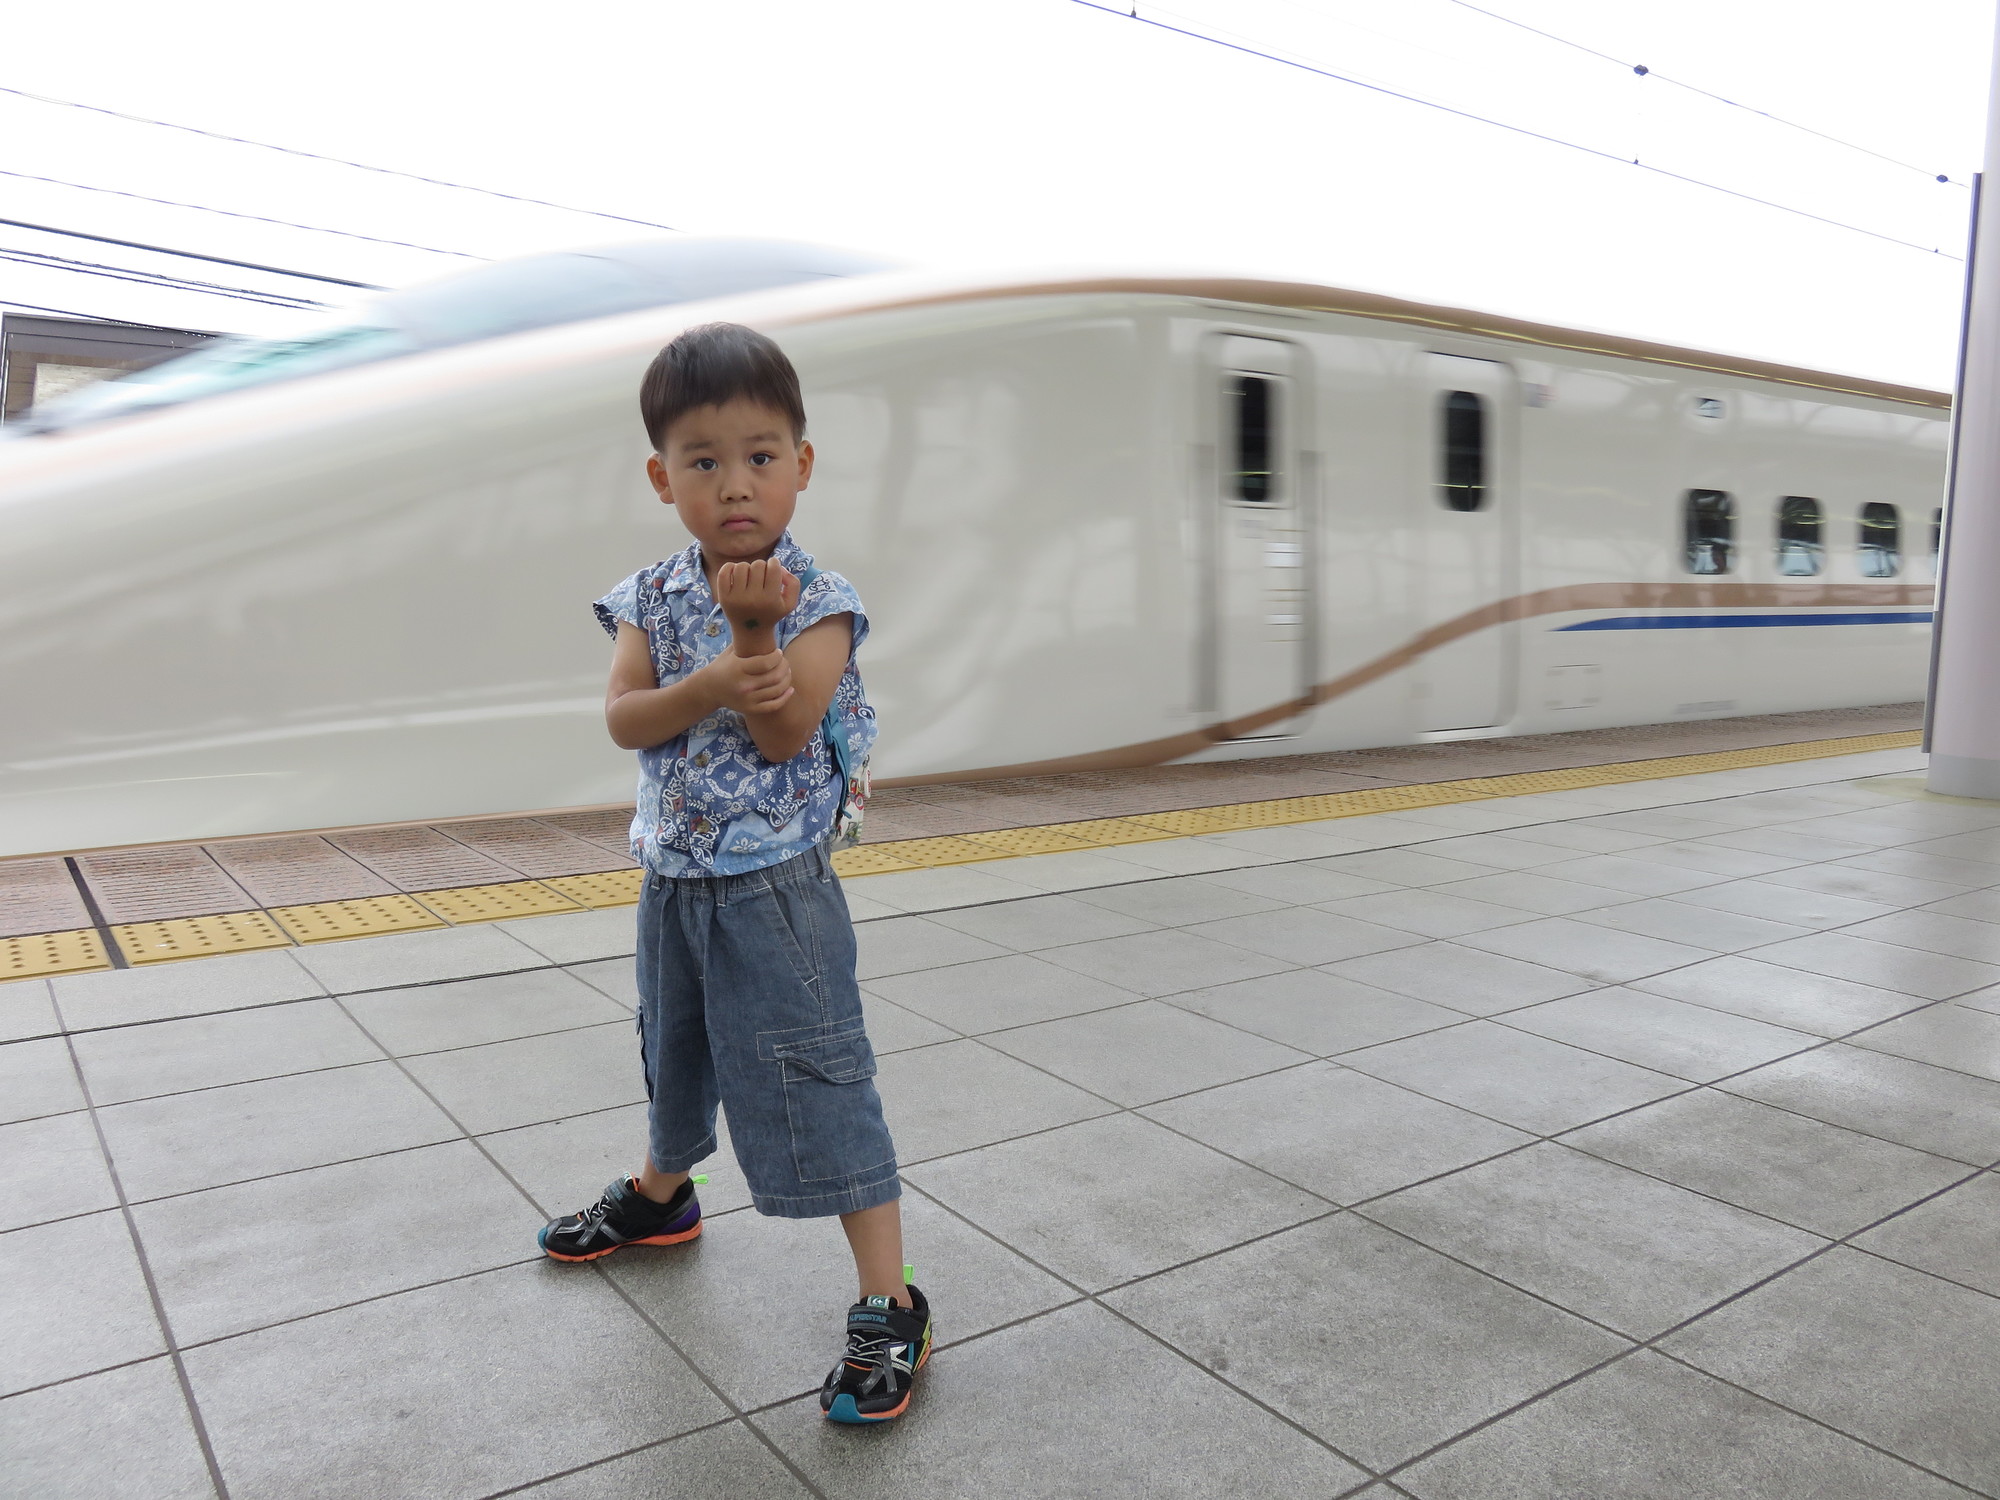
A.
x: 1964, y: 715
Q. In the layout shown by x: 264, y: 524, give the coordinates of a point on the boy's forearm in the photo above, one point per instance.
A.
x: 783, y: 732
x: 645, y: 717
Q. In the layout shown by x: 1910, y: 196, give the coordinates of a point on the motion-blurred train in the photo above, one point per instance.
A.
x: 1098, y: 521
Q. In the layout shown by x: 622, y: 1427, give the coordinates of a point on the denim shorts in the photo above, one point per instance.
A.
x: 747, y: 999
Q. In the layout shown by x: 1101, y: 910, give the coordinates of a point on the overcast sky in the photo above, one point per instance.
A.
x: 1044, y: 131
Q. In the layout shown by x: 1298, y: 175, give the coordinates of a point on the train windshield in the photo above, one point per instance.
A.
x: 537, y: 291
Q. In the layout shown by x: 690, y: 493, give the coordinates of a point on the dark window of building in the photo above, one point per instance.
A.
x: 1462, y: 437
x: 1252, y: 407
x: 1800, y: 551
x: 1880, y: 550
x: 1711, y: 531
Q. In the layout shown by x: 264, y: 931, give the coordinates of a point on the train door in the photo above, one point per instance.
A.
x: 1261, y: 553
x: 1470, y: 567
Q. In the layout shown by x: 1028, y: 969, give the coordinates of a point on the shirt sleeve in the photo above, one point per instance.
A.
x: 828, y: 595
x: 620, y: 605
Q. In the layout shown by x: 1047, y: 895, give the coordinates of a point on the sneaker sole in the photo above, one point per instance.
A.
x: 845, y: 1411
x: 655, y: 1239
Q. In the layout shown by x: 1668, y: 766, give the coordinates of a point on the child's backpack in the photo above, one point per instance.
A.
x: 853, y: 771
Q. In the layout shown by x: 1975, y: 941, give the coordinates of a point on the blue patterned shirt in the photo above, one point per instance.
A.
x: 709, y: 802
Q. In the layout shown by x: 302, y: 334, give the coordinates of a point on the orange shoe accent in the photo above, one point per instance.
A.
x: 659, y: 1239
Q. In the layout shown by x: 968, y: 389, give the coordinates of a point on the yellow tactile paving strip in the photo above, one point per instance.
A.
x: 330, y: 921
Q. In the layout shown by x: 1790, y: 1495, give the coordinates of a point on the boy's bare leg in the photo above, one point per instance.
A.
x: 659, y: 1186
x: 875, y: 1235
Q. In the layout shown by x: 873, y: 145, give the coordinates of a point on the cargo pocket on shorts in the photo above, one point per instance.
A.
x: 833, y: 1111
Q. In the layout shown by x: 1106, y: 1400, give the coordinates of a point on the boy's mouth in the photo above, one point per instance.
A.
x: 739, y: 523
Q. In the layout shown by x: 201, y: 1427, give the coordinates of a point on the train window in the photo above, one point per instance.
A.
x: 1711, y: 531
x: 1880, y: 550
x: 1251, y: 406
x: 1462, y: 435
x: 1800, y: 552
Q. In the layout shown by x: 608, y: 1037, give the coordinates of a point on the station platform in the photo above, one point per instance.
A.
x: 1634, y: 1136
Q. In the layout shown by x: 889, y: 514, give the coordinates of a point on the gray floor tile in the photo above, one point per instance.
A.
x: 1668, y: 1036
x: 1043, y: 922
x: 1987, y: 1000
x: 577, y: 937
x: 1430, y: 912
x: 1817, y: 1003
x: 1534, y: 893
x: 1956, y: 1235
x: 1299, y: 885
x: 717, y: 1463
x: 1195, y: 856
x: 1071, y: 870
x: 892, y: 1028
x: 1649, y: 1429
x: 1799, y: 848
x: 380, y: 963
x: 1132, y: 1419
x: 1951, y: 1036
x: 1894, y: 891
x: 443, y: 1392
x: 1980, y: 906
x: 1177, y: 902
x: 1961, y: 872
x: 1317, y: 1012
x: 1774, y: 902
x: 1934, y: 932
x: 154, y: 992
x: 1165, y: 963
x: 536, y: 1078
x: 72, y: 1300
x: 1931, y: 976
x: 1626, y: 1250
x: 1712, y: 859
x: 1638, y: 877
x: 468, y: 1012
x: 1583, y: 838
x: 123, y: 1433
x: 988, y: 993
x: 256, y: 1253
x: 959, y: 1095
x: 901, y: 945
x: 1696, y: 926
x: 1139, y: 1053
x: 1466, y: 979
x: 757, y: 1303
x: 565, y: 1164
x: 1335, y: 1132
x: 1586, y: 949
x: 615, y: 977
x: 1289, y: 842
x: 1401, y: 867
x: 26, y: 1010
x: 1107, y: 1200
x: 1946, y: 1113
x: 182, y: 1142
x: 52, y: 1168
x: 1521, y: 1080
x: 1982, y: 847
x: 937, y: 889
x: 201, y: 1052
x: 1379, y: 1346
x: 1667, y: 824
x: 1503, y: 851
x: 1893, y: 1356
x: 1771, y: 1161
x: 1305, y: 935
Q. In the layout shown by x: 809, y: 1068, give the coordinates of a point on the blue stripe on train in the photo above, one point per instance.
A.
x: 1738, y: 622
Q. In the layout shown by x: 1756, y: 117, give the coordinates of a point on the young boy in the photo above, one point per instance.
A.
x: 723, y: 669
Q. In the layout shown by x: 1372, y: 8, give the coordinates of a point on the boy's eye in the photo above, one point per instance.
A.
x: 704, y: 465
x: 761, y: 459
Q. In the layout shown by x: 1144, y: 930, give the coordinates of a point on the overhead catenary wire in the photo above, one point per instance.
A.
x: 1642, y: 71
x: 1132, y: 14
x: 67, y: 312
x: 152, y: 278
x: 341, y: 161
x: 219, y: 260
x: 347, y: 234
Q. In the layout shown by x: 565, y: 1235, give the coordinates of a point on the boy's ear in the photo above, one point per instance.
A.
x: 805, y: 462
x: 656, y: 471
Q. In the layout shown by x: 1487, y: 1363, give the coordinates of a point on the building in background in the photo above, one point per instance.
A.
x: 41, y: 358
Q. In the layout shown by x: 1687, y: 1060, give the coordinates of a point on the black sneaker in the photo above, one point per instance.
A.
x: 623, y: 1216
x: 886, y: 1346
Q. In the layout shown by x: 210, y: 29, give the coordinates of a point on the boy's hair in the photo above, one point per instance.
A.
x: 712, y: 364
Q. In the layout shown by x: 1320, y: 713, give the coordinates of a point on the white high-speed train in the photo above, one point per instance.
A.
x: 1098, y: 521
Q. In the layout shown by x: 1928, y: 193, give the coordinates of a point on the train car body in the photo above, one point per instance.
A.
x: 1098, y: 522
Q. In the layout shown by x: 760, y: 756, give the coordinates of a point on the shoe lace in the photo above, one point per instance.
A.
x: 868, y: 1356
x: 589, y: 1220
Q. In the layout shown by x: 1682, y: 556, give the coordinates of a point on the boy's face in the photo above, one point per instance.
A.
x: 734, y: 473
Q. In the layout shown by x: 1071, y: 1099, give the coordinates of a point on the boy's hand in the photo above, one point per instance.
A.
x: 755, y: 596
x: 750, y: 684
